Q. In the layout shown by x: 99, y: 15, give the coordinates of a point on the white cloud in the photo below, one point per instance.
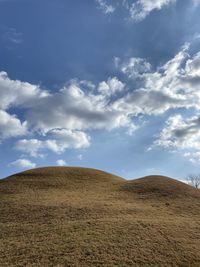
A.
x: 174, y: 85
x: 61, y: 139
x: 61, y: 162
x: 70, y: 139
x: 138, y: 10
x: 111, y: 87
x: 105, y: 7
x: 134, y: 67
x: 142, y: 8
x: 30, y: 146
x: 61, y: 120
x: 15, y: 92
x: 180, y: 133
x: 77, y: 109
x: 81, y: 107
x: 11, y: 126
x: 193, y: 66
x: 23, y: 163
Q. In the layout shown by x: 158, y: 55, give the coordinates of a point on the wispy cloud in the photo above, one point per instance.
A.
x: 23, y: 163
x: 61, y: 162
x: 138, y: 10
x: 142, y: 8
x: 11, y: 36
x: 105, y: 7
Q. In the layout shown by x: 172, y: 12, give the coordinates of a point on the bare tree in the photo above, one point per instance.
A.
x: 194, y: 180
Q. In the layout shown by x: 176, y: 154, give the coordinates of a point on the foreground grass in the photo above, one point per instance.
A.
x: 83, y: 217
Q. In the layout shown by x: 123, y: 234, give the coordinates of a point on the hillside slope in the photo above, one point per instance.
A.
x: 160, y: 186
x: 65, y: 216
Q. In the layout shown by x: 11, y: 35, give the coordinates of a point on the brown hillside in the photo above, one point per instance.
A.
x: 160, y: 186
x: 78, y: 217
x: 69, y: 178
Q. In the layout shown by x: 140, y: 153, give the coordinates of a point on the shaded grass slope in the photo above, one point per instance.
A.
x: 67, y: 216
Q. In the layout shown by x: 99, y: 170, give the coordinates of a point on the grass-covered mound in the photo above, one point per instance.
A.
x: 64, y: 216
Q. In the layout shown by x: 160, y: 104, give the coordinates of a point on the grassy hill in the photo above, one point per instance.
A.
x: 64, y: 216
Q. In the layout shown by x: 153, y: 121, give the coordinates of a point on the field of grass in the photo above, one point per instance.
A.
x: 76, y: 217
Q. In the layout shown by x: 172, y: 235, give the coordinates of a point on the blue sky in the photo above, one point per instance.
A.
x: 113, y: 85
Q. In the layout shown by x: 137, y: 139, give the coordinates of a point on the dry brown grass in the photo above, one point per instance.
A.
x: 84, y: 217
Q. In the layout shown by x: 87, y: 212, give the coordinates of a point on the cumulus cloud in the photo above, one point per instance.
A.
x: 11, y: 126
x: 61, y: 139
x: 111, y: 87
x: 71, y: 139
x: 16, y: 93
x: 23, y: 163
x: 63, y: 119
x: 181, y: 134
x: 30, y: 146
x: 105, y: 7
x: 135, y: 67
x: 77, y: 109
x: 174, y: 85
x: 61, y: 162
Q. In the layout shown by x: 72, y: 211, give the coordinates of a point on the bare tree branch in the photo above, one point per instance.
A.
x: 194, y: 180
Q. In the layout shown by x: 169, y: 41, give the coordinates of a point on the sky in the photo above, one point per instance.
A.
x: 107, y: 84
